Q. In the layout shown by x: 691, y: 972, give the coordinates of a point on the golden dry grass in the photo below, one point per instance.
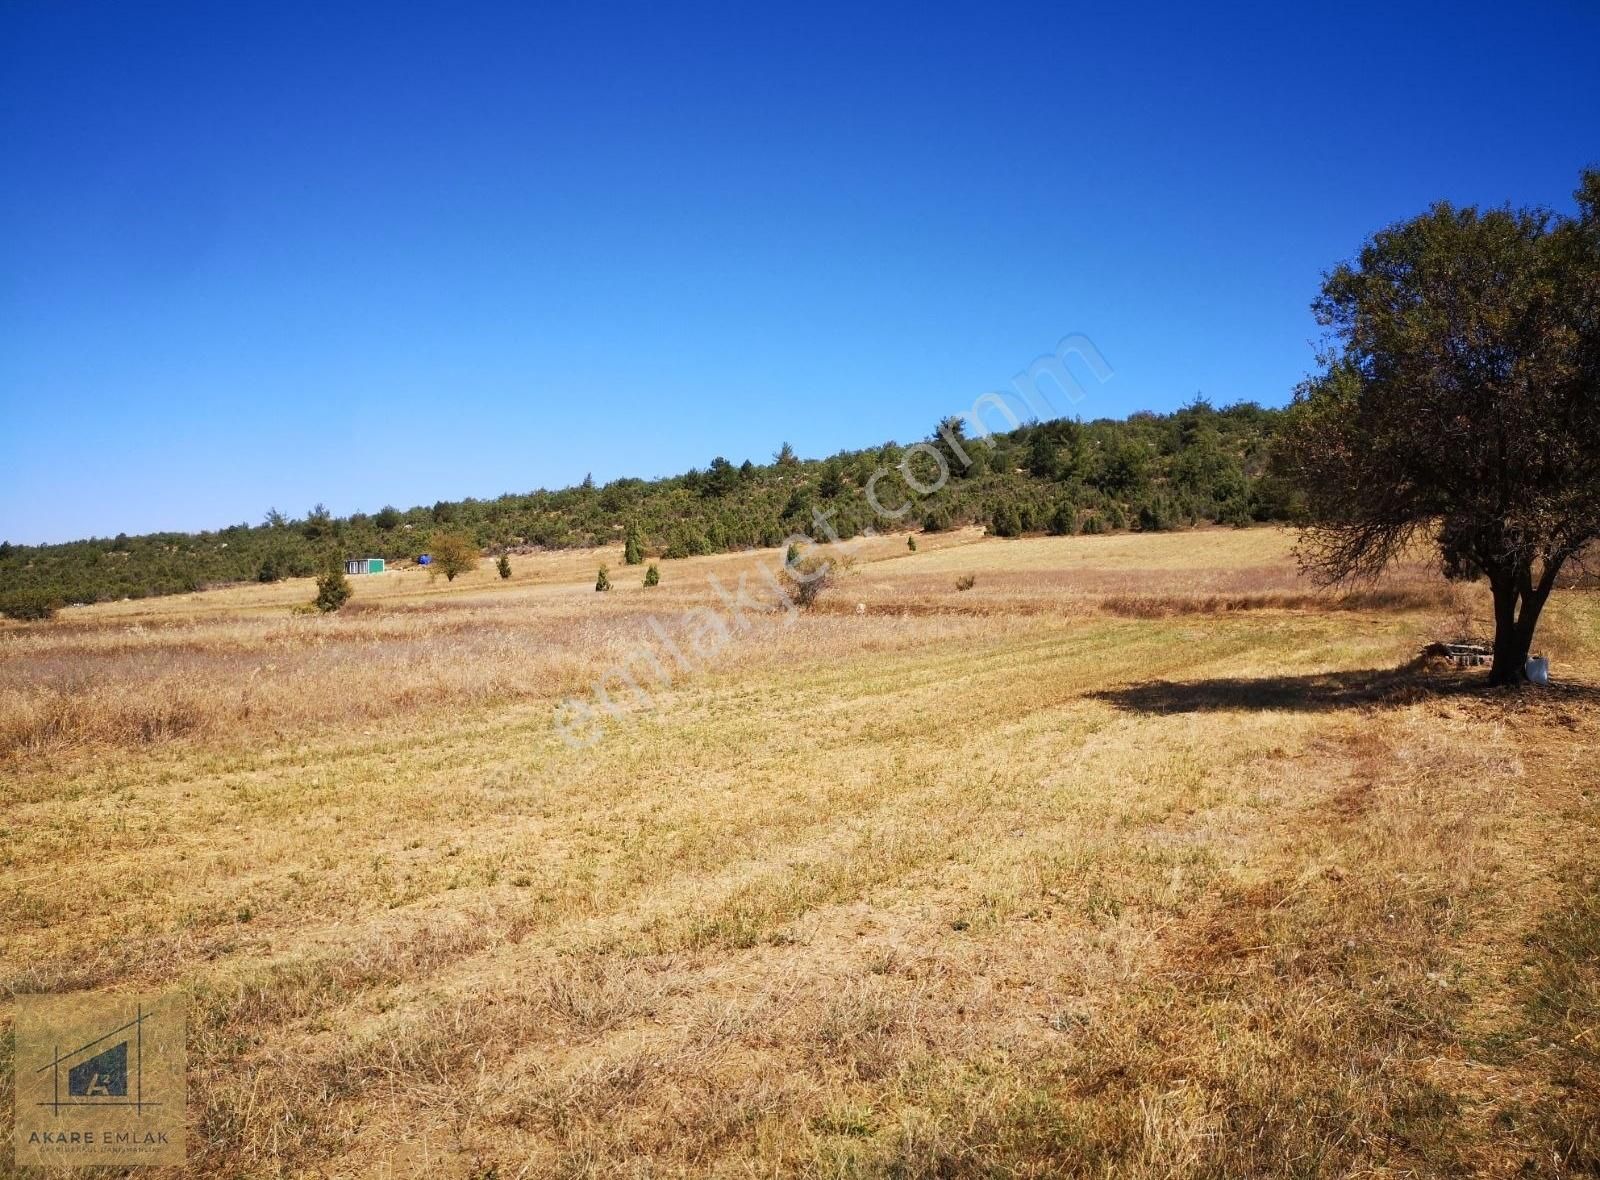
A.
x: 1135, y: 858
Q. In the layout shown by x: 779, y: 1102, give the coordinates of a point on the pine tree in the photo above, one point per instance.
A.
x: 1064, y: 520
x: 333, y: 590
x: 603, y: 582
x: 1006, y: 522
x: 504, y: 565
x: 652, y: 576
x: 632, y: 554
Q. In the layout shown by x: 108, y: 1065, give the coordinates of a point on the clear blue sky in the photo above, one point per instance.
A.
x: 257, y: 254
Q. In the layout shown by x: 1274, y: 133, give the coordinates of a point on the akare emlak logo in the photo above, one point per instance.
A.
x: 100, y: 1080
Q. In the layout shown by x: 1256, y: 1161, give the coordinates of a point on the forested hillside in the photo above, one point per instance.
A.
x: 1149, y: 472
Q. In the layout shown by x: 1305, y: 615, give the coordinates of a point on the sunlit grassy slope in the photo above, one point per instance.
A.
x: 1136, y: 857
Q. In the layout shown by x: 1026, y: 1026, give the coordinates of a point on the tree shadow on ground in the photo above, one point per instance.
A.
x: 1328, y: 691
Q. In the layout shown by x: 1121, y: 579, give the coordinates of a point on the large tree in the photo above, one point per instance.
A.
x: 1459, y: 401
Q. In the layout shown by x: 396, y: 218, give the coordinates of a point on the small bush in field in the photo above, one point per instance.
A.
x: 793, y: 555
x: 504, y: 565
x: 966, y: 581
x: 454, y: 553
x: 652, y: 576
x: 911, y: 544
x: 603, y: 582
x: 333, y: 591
x: 632, y: 553
x: 813, y: 575
x: 1093, y: 524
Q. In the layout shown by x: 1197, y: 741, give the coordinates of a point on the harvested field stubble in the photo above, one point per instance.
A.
x: 1136, y: 857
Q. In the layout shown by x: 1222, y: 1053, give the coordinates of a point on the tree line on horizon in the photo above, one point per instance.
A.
x: 1458, y: 404
x: 1150, y: 472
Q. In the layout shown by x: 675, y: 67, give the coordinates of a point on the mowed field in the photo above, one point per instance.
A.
x: 1138, y: 857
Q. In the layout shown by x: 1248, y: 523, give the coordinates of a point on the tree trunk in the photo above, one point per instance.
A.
x: 1513, y: 628
x: 1510, y: 652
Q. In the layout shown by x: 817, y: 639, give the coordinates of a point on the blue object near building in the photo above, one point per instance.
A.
x: 425, y: 559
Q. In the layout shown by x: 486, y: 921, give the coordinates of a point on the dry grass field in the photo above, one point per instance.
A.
x: 1138, y: 857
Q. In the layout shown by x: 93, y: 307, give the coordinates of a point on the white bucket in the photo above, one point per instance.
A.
x: 1539, y: 670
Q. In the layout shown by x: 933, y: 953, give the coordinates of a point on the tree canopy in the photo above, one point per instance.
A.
x: 454, y: 553
x: 1459, y: 402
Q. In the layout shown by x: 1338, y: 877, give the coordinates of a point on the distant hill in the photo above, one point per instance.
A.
x: 1148, y: 472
